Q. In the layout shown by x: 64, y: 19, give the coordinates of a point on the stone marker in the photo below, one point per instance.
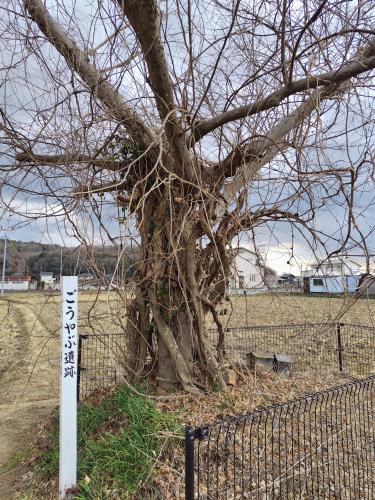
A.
x: 280, y: 363
x: 284, y: 364
x: 260, y: 358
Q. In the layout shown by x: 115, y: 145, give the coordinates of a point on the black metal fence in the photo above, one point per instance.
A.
x: 319, y: 446
x: 340, y: 346
x: 100, y: 359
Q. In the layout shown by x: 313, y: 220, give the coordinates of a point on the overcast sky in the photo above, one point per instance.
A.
x: 284, y: 249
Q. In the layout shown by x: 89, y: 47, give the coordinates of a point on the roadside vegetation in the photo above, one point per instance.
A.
x: 119, y: 439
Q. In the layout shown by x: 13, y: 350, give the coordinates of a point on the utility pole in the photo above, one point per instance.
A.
x: 4, y: 259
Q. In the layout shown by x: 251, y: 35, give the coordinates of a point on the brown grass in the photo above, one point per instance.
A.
x: 30, y: 330
x: 276, y: 309
x: 253, y: 391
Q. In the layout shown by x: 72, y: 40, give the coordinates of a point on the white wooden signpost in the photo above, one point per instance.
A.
x: 68, y: 385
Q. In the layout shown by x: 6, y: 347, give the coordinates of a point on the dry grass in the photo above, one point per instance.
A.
x: 27, y: 316
x: 30, y: 325
x: 276, y: 309
x: 253, y: 391
x: 98, y: 312
x: 104, y: 312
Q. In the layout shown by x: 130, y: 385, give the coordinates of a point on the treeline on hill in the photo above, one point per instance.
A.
x: 32, y: 258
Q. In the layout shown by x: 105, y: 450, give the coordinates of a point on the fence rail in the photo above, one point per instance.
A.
x: 340, y: 346
x: 319, y: 446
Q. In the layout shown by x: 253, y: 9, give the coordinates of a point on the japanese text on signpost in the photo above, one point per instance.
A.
x: 68, y: 385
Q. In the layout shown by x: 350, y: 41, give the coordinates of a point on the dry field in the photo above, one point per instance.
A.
x: 29, y: 348
x: 279, y: 309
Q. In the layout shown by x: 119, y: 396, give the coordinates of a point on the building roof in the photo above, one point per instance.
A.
x: 17, y: 279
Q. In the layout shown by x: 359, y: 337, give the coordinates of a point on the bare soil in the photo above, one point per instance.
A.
x: 28, y: 384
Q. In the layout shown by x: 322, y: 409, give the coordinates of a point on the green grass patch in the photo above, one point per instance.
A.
x: 118, y: 442
x: 16, y: 460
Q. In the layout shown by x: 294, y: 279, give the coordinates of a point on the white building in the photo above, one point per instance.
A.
x: 87, y: 281
x: 18, y: 283
x: 47, y: 280
x: 337, y: 275
x: 336, y: 266
x: 246, y: 273
x: 333, y: 284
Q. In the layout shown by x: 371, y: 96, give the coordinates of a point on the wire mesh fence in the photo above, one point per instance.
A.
x: 358, y: 348
x: 100, y: 358
x: 342, y: 346
x: 338, y: 346
x: 319, y: 446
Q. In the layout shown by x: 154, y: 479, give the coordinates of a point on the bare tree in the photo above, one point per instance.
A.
x: 190, y: 122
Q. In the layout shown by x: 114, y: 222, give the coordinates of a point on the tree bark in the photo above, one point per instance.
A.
x: 170, y: 275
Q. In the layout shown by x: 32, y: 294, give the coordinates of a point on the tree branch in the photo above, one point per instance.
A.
x: 77, y: 60
x: 354, y: 68
x: 258, y: 153
x: 109, y: 187
x: 30, y: 157
x: 253, y: 156
x: 144, y: 18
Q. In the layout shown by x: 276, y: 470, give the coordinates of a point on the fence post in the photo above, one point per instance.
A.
x: 189, y: 463
x: 80, y: 368
x: 339, y: 346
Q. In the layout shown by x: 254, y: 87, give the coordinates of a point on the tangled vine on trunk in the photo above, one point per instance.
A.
x: 178, y: 284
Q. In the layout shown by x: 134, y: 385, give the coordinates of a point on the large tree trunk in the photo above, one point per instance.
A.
x: 169, y: 297
x: 181, y: 327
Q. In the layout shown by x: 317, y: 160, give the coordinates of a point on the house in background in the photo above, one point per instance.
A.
x: 288, y: 279
x: 337, y: 266
x: 246, y: 273
x: 18, y: 283
x: 336, y: 275
x: 271, y: 281
x: 87, y: 281
x: 47, y: 280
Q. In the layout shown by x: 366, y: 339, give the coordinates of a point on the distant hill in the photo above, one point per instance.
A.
x: 32, y: 258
